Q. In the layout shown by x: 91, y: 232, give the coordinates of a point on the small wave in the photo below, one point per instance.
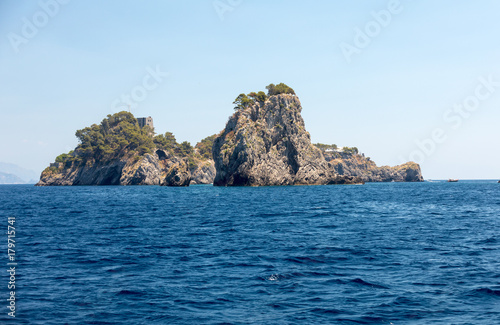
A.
x: 82, y: 304
x: 491, y: 240
x: 362, y: 282
x: 328, y: 226
x: 486, y: 292
x: 275, y: 277
x: 326, y: 311
x: 429, y: 284
x: 335, y: 281
x: 316, y: 273
x: 34, y: 244
x: 303, y: 260
x: 123, y: 227
x: 88, y: 262
x: 128, y: 292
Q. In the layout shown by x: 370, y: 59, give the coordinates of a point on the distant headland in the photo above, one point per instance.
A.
x: 264, y: 143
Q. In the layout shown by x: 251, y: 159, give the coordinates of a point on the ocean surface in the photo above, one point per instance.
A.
x: 393, y: 253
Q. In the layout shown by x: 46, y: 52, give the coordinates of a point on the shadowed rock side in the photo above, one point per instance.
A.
x: 351, y: 164
x: 159, y: 168
x: 178, y: 174
x: 267, y: 144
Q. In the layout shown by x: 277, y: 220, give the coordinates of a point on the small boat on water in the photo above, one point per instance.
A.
x: 451, y: 180
x: 499, y: 181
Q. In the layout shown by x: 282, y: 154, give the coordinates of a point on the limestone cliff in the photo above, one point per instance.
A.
x: 149, y: 169
x: 266, y: 143
x: 353, y: 164
x: 204, y: 173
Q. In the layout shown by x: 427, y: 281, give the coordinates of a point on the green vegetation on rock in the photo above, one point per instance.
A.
x: 323, y: 146
x: 352, y: 151
x: 117, y: 135
x: 166, y: 142
x: 281, y: 88
x: 205, y: 146
x: 246, y: 100
x: 259, y: 97
x: 242, y: 101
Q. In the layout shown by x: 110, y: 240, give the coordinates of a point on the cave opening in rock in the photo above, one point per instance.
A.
x: 161, y: 154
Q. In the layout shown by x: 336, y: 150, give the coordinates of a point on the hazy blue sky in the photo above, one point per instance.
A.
x: 382, y: 82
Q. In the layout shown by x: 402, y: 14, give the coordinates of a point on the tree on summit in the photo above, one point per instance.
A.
x: 242, y: 101
x: 281, y: 88
x: 259, y: 97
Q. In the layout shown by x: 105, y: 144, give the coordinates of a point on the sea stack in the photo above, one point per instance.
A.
x: 265, y: 143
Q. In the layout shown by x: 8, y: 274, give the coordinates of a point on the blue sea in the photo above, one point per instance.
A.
x: 380, y: 253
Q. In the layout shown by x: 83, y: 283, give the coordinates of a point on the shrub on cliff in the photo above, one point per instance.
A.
x: 184, y: 149
x: 323, y: 146
x: 166, y: 142
x: 205, y: 146
x: 242, y: 101
x: 352, y: 151
x: 279, y: 89
x: 259, y: 97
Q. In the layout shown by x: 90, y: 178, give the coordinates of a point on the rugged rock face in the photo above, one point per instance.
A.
x: 267, y: 144
x: 150, y: 169
x: 349, y: 164
x: 204, y: 173
x: 178, y: 174
x: 58, y: 175
x: 159, y: 168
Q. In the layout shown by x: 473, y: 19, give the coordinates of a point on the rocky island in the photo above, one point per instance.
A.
x: 264, y: 143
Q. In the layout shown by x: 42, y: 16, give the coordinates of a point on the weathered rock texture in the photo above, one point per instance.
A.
x: 178, y: 174
x: 159, y: 168
x: 204, y: 173
x: 267, y: 144
x: 349, y: 164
